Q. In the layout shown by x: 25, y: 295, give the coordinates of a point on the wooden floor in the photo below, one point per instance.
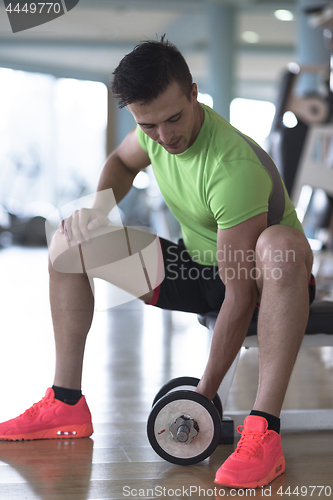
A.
x: 131, y: 351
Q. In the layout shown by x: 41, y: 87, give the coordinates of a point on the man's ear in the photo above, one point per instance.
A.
x: 194, y: 91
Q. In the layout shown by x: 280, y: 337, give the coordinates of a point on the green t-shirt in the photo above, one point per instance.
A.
x: 223, y: 179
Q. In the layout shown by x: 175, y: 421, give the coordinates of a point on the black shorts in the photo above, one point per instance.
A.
x: 192, y: 287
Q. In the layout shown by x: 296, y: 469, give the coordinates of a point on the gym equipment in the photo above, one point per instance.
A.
x: 286, y: 144
x: 28, y: 231
x: 184, y: 427
x: 320, y: 322
x: 20, y: 229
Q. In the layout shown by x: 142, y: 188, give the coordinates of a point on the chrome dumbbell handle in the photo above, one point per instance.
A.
x: 183, y: 429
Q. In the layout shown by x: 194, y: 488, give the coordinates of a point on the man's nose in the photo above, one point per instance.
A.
x: 165, y: 134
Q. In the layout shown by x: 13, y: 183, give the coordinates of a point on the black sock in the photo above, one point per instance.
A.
x: 273, y: 422
x: 68, y: 396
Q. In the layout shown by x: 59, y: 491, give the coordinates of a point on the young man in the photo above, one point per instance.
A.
x: 241, y: 236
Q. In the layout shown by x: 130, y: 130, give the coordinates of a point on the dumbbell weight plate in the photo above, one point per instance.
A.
x: 182, y: 382
x: 170, y: 407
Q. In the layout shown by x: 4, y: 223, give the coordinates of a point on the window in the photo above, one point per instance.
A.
x: 252, y: 118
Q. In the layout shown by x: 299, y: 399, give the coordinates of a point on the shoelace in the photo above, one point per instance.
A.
x: 36, y: 406
x: 249, y: 442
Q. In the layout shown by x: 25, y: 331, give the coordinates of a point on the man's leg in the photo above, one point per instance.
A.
x: 72, y: 269
x: 284, y: 262
x: 71, y: 295
x: 72, y: 307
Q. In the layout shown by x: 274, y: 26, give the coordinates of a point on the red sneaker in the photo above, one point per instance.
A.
x: 257, y: 460
x: 49, y: 419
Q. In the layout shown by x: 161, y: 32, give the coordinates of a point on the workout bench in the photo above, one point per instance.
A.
x: 319, y: 333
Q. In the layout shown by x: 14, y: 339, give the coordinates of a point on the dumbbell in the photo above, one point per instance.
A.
x: 184, y: 427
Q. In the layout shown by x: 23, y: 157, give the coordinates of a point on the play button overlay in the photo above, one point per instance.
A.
x: 129, y: 259
x: 70, y: 4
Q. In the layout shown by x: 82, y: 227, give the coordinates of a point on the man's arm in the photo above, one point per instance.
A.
x: 118, y: 174
x: 236, y: 253
x: 121, y: 167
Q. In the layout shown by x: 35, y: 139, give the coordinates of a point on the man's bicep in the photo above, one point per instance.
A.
x: 236, y: 250
x: 131, y: 153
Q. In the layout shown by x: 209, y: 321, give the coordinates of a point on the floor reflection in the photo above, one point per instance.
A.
x: 53, y: 470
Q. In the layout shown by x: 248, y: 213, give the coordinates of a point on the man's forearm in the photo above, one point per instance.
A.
x: 229, y: 333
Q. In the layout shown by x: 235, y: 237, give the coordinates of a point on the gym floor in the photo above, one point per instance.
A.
x: 132, y: 350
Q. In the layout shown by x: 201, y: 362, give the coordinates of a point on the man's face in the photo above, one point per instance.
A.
x: 171, y: 119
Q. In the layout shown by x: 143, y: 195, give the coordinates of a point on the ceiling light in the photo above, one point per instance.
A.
x: 284, y: 15
x: 250, y: 37
x: 289, y: 119
x: 294, y: 68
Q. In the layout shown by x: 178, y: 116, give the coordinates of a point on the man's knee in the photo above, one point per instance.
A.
x: 283, y: 248
x: 64, y: 256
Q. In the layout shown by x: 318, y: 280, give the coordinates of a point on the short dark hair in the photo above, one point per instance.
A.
x: 146, y: 72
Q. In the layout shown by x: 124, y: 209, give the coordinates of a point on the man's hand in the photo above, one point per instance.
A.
x: 81, y: 222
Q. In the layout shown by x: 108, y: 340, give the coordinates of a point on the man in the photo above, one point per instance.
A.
x: 240, y: 234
